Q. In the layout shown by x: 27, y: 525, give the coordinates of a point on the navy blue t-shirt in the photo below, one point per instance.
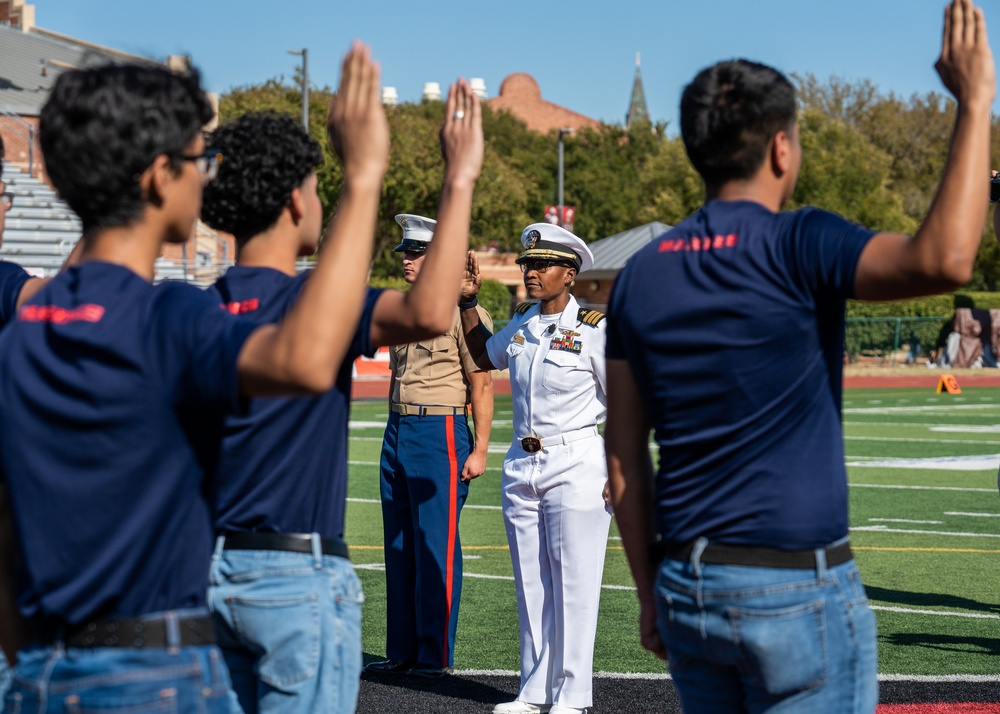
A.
x: 12, y: 279
x: 112, y: 394
x: 733, y: 325
x: 283, y: 466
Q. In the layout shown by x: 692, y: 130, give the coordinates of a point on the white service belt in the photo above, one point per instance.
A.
x: 564, y: 438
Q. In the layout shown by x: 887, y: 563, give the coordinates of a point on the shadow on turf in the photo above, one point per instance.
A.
x: 948, y: 643
x: 905, y: 597
x: 401, y: 687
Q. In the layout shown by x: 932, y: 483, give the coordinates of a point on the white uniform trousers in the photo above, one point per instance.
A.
x: 557, y: 528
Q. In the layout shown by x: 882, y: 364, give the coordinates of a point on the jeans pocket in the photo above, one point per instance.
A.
x: 163, y: 701
x: 285, y: 630
x: 783, y: 650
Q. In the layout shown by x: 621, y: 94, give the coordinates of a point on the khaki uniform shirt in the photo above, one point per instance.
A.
x: 435, y: 371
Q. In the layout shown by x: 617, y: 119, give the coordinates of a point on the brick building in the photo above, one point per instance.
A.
x: 521, y: 96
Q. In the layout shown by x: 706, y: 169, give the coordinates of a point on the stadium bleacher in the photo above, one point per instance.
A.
x: 40, y: 229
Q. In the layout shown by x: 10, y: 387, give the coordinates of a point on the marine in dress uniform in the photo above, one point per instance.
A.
x: 554, y: 474
x: 426, y: 445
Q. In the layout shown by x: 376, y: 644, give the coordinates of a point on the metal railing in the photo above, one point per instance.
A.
x: 27, y: 130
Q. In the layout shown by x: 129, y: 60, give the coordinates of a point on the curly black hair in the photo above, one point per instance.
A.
x: 265, y: 155
x: 102, y: 127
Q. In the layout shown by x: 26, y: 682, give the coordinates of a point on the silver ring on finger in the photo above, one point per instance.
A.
x: 458, y: 114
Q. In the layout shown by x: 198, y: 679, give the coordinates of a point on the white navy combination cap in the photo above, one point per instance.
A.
x: 417, y: 233
x: 549, y: 241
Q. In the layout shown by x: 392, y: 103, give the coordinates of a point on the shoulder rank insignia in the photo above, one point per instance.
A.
x: 590, y: 317
x: 523, y: 308
x: 517, y: 339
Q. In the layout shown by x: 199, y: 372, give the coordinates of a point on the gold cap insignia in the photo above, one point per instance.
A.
x: 533, y: 237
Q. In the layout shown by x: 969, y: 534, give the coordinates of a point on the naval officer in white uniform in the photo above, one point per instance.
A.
x: 555, y: 497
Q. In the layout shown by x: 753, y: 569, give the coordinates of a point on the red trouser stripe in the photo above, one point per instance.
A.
x: 449, y: 423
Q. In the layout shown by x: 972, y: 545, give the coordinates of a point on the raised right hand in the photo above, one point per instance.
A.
x: 966, y: 63
x: 356, y: 121
x: 462, y: 134
x: 471, y: 280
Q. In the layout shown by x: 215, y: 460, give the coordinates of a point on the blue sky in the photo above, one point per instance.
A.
x: 582, y: 55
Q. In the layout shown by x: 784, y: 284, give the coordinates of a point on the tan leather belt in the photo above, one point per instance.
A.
x: 421, y: 410
x: 534, y: 444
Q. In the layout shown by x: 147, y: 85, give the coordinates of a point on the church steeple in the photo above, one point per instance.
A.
x: 637, y: 111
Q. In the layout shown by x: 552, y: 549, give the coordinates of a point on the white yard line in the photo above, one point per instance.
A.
x: 905, y: 520
x: 658, y: 676
x: 972, y: 515
x: 883, y: 529
x: 936, y: 613
x: 920, y: 488
x: 909, y: 440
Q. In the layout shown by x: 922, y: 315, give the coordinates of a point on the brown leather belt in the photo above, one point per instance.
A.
x: 722, y: 554
x: 140, y: 633
x: 421, y: 410
x: 290, y: 542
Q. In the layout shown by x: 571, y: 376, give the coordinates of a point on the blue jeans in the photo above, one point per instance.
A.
x: 56, y: 680
x: 747, y: 639
x: 289, y: 625
x: 5, y: 676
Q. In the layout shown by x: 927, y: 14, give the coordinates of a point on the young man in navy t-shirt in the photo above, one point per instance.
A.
x: 280, y: 492
x: 114, y: 390
x: 725, y: 337
x: 16, y: 286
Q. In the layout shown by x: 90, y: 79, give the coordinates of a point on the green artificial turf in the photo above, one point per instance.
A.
x: 935, y: 591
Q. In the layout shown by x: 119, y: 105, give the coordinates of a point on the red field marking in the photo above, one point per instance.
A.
x: 929, y: 379
x: 940, y: 708
x: 378, y: 388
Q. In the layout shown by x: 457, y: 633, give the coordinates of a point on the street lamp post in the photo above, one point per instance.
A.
x: 567, y: 130
x: 305, y: 84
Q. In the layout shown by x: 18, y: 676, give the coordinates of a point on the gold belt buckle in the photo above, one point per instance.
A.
x: 531, y: 444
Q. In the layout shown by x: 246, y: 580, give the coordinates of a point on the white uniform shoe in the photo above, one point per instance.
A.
x: 519, y: 707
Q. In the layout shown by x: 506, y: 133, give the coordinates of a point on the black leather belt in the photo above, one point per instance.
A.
x: 138, y: 633
x: 722, y: 554
x: 291, y: 542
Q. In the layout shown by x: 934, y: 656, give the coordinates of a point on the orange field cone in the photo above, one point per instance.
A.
x: 948, y: 384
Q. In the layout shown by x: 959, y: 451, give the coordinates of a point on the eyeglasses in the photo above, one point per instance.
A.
x: 540, y: 265
x: 207, y: 163
x: 6, y: 200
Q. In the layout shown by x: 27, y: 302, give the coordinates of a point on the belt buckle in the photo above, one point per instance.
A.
x: 531, y: 444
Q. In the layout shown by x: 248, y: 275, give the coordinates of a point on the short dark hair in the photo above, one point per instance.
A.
x: 729, y: 114
x: 265, y: 156
x: 102, y: 127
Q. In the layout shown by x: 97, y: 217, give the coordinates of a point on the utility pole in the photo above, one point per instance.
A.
x: 305, y: 85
